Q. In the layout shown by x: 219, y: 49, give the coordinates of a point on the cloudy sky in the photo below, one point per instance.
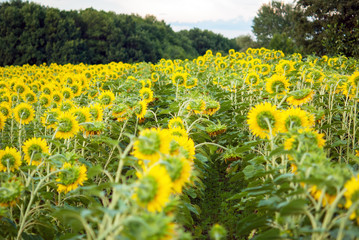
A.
x: 231, y: 18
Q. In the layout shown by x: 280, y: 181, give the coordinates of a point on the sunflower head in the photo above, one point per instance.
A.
x: 71, y: 177
x: 176, y: 122
x: 35, y: 149
x: 277, y: 84
x: 10, y: 192
x: 264, y: 120
x: 24, y: 113
x: 179, y: 78
x: 67, y: 126
x: 10, y: 159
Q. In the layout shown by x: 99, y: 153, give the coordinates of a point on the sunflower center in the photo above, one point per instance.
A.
x: 56, y: 98
x: 66, y: 94
x: 146, y: 95
x: 24, y: 113
x: 30, y: 97
x: 65, y: 125
x: 106, y: 100
x: 264, y: 118
x: 278, y: 87
x: 75, y: 89
x: 34, y: 152
x: 293, y: 122
x: 4, y: 111
x: 66, y: 106
x: 253, y: 79
x: 8, y: 160
x: 147, y: 189
x: 47, y: 91
x: 69, y: 175
x: 44, y: 101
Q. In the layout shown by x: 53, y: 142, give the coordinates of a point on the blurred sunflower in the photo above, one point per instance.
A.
x: 176, y: 122
x: 179, y: 170
x: 179, y: 78
x: 106, y: 98
x: 299, y: 97
x: 154, y: 188
x: 277, y: 84
x: 140, y: 109
x: 146, y: 94
x: 151, y: 143
x: 10, y: 159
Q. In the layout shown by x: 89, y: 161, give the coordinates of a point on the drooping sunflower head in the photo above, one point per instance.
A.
x: 197, y: 106
x: 151, y: 143
x: 66, y: 126
x: 176, y: 122
x: 24, y: 113
x: 277, y: 84
x: 264, y: 120
x: 300, y: 97
x: 35, y: 149
x: 10, y: 159
x: 154, y: 188
x: 71, y: 177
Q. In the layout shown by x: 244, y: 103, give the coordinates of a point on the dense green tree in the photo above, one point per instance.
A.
x: 245, y: 41
x: 274, y: 17
x: 328, y: 26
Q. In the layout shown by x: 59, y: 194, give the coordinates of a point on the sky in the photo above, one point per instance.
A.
x: 230, y: 18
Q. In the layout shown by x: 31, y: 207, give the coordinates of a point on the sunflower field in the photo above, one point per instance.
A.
x: 254, y: 145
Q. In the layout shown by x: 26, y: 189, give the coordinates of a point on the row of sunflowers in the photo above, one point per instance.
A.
x: 124, y: 151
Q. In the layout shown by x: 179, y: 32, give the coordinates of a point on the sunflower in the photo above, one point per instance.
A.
x: 5, y: 109
x: 154, y: 188
x: 284, y: 67
x: 306, y: 136
x: 313, y: 136
x: 49, y: 118
x: 56, y: 97
x: 140, y: 109
x: 179, y: 78
x: 197, y: 106
x: 155, y: 76
x: 179, y: 170
x: 277, y: 84
x: 30, y: 97
x: 265, y: 69
x: 24, y: 113
x: 191, y: 83
x: 34, y: 148
x: 10, y: 159
x: 82, y: 114
x: 67, y: 93
x: 66, y: 105
x: 352, y: 195
x: 176, y: 122
x: 252, y: 79
x: 151, y: 143
x: 66, y: 126
x: 106, y: 98
x: 96, y: 112
x: 300, y: 97
x: 10, y: 192
x: 182, y: 145
x: 45, y: 100
x: 146, y: 94
x: 120, y: 111
x: 2, y: 121
x: 293, y: 118
x: 71, y: 177
x: 212, y: 107
x: 264, y: 119
x: 178, y: 131
x: 20, y: 88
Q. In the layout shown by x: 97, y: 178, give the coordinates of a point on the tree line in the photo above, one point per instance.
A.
x: 318, y: 27
x: 33, y: 34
